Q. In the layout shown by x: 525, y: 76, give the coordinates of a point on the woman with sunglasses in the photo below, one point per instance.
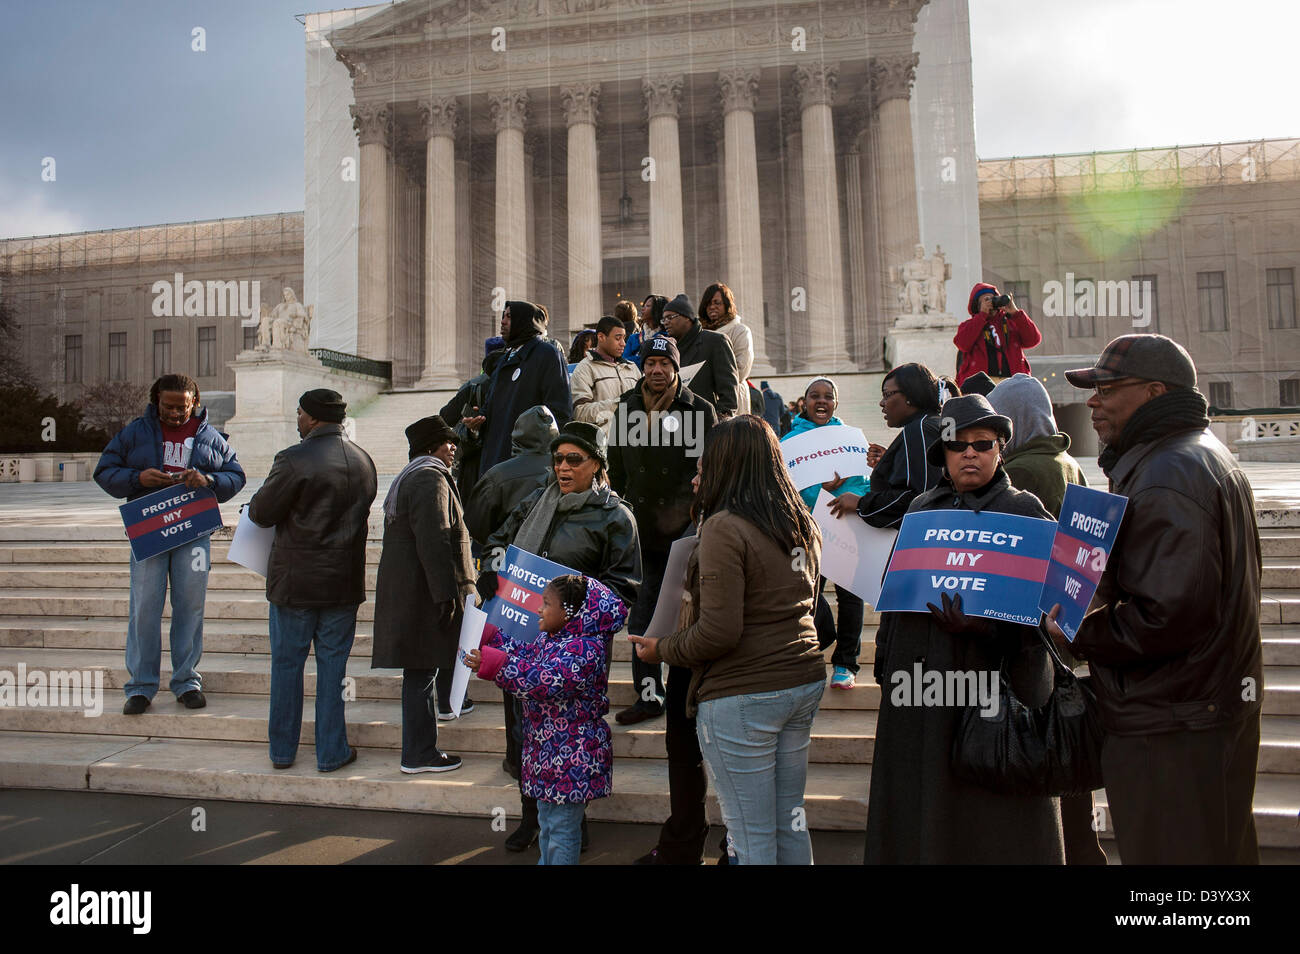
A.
x: 576, y: 521
x: 918, y: 811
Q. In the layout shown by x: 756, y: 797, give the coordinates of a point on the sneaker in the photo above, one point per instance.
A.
x: 843, y: 679
x: 194, y: 699
x: 466, y: 708
x: 135, y: 705
x: 444, y: 763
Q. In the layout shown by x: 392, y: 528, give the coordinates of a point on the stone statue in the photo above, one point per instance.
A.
x: 287, y: 327
x: 921, y: 282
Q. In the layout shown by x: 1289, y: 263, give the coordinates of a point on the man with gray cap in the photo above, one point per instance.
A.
x: 708, y: 364
x: 1172, y: 639
x: 317, y: 496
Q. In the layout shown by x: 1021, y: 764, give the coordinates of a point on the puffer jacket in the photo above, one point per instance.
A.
x: 317, y: 496
x: 1174, y: 634
x: 500, y: 489
x: 1014, y: 334
x: 138, y: 446
x: 599, y: 540
x: 854, y: 485
x: 563, y: 680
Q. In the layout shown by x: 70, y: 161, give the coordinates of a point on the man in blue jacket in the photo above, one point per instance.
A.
x: 172, y: 443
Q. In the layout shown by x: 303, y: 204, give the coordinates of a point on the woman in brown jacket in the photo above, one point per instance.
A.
x: 747, y: 632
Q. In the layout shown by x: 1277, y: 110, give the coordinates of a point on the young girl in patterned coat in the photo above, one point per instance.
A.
x: 562, y: 679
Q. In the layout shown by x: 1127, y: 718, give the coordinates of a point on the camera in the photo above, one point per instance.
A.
x: 1001, y: 301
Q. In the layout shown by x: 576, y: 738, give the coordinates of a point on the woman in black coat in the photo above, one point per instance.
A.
x: 425, y: 573
x: 918, y: 812
x: 578, y: 522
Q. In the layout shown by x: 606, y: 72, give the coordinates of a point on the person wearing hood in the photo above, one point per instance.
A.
x: 995, y: 337
x: 718, y: 313
x: 918, y: 811
x: 170, y: 445
x: 466, y: 409
x: 601, y: 377
x: 425, y: 574
x: 501, y: 489
x: 1036, y: 458
x: 532, y: 372
x: 821, y: 398
x: 577, y: 521
x: 708, y: 359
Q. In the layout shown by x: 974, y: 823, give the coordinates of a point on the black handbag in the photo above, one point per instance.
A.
x: 1052, y: 750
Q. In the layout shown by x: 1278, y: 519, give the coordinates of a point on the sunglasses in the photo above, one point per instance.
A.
x: 959, y: 447
x: 573, y: 460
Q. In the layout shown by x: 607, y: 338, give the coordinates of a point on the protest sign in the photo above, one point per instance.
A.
x: 995, y: 562
x: 251, y: 545
x: 816, y: 456
x: 669, y: 605
x: 471, y: 634
x: 854, y: 553
x: 518, y: 603
x: 169, y: 518
x: 1085, y: 536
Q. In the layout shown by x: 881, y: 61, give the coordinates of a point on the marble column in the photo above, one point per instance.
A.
x: 798, y: 333
x: 508, y: 112
x: 441, y: 311
x: 891, y: 83
x: 667, y: 266
x: 581, y: 102
x: 743, y: 239
x: 815, y: 86
x: 374, y: 127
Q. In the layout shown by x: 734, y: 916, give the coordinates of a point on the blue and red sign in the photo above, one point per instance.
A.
x: 517, y: 606
x: 994, y: 561
x: 1084, y: 538
x: 169, y: 518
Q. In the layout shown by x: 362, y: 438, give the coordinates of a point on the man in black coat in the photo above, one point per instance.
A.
x: 317, y: 496
x: 534, y: 371
x: 425, y: 573
x: 500, y: 489
x: 716, y: 379
x: 1173, y: 640
x: 464, y: 413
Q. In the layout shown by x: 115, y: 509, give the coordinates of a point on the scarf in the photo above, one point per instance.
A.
x: 719, y: 324
x: 1182, y: 409
x: 657, y: 405
x: 537, y: 525
x: 390, y: 499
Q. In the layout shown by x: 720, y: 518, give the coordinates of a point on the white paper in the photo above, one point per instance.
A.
x: 816, y: 456
x: 251, y: 546
x: 669, y: 605
x: 854, y: 553
x: 688, y: 373
x: 471, y: 634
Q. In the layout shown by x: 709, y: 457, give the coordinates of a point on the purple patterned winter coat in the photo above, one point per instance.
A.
x: 562, y: 678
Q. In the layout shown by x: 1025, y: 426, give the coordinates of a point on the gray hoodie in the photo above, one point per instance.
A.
x: 500, y: 489
x: 1023, y: 398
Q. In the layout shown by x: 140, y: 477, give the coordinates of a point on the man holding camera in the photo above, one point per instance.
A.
x: 995, y: 337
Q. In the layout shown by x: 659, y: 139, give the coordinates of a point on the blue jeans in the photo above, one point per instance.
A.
x: 560, y: 839
x: 292, y: 632
x: 756, y: 747
x: 189, y: 587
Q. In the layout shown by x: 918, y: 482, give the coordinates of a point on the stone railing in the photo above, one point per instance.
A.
x: 1271, y: 435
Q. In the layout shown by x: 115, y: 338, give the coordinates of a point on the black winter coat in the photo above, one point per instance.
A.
x: 501, y: 489
x: 918, y: 812
x: 425, y: 572
x: 656, y: 480
x: 599, y: 541
x: 536, y: 373
x: 718, y: 380
x: 317, y: 496
x: 472, y: 394
x: 902, y: 473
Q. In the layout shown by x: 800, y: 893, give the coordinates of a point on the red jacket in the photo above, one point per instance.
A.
x: 1012, y: 334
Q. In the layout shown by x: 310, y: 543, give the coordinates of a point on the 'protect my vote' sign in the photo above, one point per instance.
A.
x: 1085, y: 537
x: 994, y: 561
x: 169, y: 518
x: 517, y: 606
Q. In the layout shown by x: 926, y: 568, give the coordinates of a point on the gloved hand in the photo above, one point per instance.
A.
x: 486, y: 585
x: 951, y: 620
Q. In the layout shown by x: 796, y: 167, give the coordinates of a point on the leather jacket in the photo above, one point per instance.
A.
x: 317, y: 496
x: 1174, y: 634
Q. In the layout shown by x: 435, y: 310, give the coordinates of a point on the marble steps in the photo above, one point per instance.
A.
x: 1279, y: 543
x: 251, y: 673
x: 836, y: 794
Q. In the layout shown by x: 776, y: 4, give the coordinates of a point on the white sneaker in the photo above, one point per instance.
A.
x: 843, y: 679
x: 466, y: 708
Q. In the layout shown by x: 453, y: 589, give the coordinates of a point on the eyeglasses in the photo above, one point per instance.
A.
x: 959, y: 447
x: 1108, y: 390
x: 573, y: 460
x: 886, y: 395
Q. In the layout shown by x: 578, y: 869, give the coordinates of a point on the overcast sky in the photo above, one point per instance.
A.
x: 143, y: 129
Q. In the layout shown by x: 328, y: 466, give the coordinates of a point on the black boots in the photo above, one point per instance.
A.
x: 525, y: 835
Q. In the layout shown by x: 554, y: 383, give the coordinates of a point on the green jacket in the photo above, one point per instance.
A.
x: 1043, y: 467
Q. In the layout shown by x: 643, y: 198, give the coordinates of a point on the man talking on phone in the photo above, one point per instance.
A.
x: 171, y: 444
